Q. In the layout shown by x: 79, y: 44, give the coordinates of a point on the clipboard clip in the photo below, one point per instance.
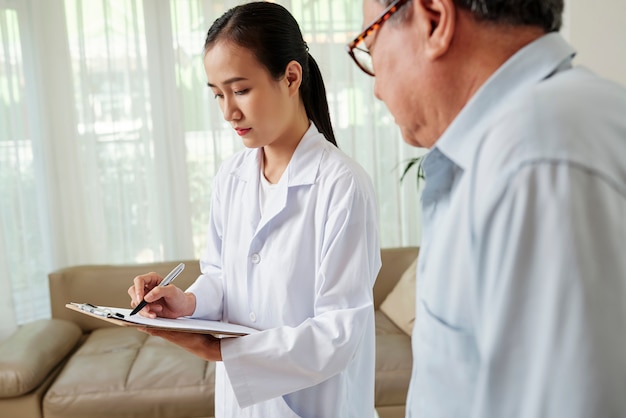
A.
x: 103, y: 312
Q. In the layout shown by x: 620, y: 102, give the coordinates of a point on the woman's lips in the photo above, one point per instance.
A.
x: 242, y: 131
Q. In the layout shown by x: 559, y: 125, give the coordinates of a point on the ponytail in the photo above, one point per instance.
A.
x: 273, y: 35
x: 315, y: 101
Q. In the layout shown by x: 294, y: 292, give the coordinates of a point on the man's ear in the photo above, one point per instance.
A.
x: 293, y: 76
x: 438, y: 19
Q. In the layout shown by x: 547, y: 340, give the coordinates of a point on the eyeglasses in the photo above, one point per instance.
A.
x: 357, y: 48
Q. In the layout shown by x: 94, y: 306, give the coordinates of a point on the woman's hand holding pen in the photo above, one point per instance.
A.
x: 164, y: 301
x: 171, y: 302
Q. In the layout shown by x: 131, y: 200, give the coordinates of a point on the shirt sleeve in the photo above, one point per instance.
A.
x: 551, y: 316
x: 294, y: 358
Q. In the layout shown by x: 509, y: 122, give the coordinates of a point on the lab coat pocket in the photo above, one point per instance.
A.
x: 447, y: 362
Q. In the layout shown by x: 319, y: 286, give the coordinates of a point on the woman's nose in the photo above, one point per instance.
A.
x: 231, y: 110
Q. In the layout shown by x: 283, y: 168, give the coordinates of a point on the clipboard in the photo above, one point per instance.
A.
x: 121, y: 317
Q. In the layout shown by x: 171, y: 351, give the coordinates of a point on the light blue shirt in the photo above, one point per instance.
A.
x: 521, y: 295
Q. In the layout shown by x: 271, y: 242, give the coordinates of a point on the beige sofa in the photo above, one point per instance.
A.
x: 76, y: 366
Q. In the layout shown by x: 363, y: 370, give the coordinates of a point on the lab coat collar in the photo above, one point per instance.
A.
x: 305, y: 162
x: 301, y: 170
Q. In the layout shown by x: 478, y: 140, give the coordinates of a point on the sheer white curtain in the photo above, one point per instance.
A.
x: 109, y: 137
x: 22, y: 245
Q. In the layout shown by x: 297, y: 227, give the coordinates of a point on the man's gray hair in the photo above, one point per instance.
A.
x: 546, y: 14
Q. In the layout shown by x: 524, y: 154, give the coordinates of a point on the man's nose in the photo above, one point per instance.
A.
x: 377, y: 89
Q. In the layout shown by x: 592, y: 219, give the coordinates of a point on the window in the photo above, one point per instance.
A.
x: 109, y: 137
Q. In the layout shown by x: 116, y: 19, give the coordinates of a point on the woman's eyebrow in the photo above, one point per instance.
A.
x: 228, y: 81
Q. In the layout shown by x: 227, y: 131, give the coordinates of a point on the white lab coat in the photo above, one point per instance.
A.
x: 303, y: 273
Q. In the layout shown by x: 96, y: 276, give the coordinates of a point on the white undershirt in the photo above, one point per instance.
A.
x: 267, y: 191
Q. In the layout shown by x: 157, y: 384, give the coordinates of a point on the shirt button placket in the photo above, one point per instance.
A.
x: 255, y: 259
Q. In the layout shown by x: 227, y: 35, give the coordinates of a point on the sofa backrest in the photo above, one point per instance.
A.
x: 105, y: 285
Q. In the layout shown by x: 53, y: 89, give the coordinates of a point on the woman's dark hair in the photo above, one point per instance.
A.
x: 274, y: 37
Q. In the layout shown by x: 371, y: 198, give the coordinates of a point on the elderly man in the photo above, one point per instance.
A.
x: 521, y: 294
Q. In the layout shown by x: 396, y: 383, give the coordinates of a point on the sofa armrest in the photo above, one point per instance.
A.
x: 395, y: 261
x: 29, y: 355
x: 105, y: 285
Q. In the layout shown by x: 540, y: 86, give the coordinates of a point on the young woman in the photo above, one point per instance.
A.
x: 293, y: 245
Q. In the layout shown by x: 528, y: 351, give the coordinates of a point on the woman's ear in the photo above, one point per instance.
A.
x: 293, y: 76
x: 438, y: 19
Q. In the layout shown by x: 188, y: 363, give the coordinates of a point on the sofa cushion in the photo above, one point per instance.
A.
x: 123, y: 372
x: 33, y: 352
x: 399, y: 305
x: 393, y: 362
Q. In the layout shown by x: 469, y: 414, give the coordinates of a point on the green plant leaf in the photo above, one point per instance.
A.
x: 414, y: 162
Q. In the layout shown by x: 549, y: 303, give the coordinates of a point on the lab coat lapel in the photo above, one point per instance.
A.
x: 248, y: 173
x: 276, y: 205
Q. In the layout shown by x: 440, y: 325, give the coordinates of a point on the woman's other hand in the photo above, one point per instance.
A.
x: 204, y: 346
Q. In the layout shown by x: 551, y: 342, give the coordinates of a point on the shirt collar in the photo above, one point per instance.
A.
x: 533, y: 63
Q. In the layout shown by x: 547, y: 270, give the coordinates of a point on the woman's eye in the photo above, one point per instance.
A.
x: 241, y: 92
x: 218, y: 96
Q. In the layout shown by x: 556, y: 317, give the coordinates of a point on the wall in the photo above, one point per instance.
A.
x: 597, y: 31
